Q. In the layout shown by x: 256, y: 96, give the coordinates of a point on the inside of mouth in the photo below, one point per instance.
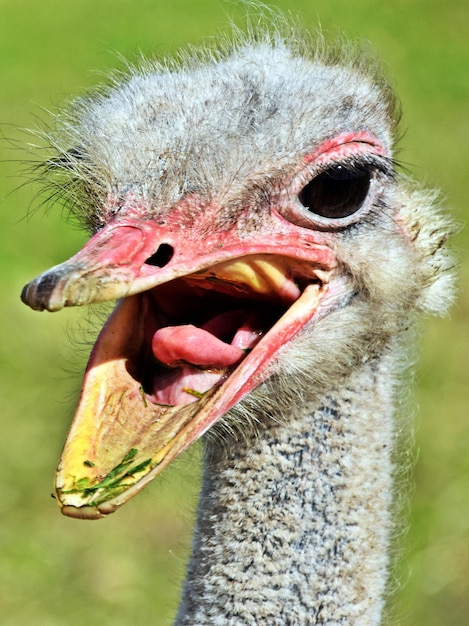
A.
x: 195, y: 335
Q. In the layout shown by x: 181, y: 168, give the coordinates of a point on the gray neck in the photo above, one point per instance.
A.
x: 294, y: 524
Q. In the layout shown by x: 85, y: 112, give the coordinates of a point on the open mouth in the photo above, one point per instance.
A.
x: 169, y: 363
x: 188, y: 350
x: 198, y: 329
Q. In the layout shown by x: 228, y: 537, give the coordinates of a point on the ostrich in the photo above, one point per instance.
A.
x: 268, y: 263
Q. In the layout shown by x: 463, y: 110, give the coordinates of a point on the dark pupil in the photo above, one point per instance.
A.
x: 337, y: 192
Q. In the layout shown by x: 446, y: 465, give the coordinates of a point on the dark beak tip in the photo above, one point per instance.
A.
x: 43, y: 293
x: 29, y: 296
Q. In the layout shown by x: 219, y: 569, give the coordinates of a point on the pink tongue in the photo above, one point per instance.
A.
x: 174, y: 345
x: 194, y: 353
x: 204, y: 347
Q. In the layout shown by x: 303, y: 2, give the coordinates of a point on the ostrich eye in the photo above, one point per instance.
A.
x: 337, y: 192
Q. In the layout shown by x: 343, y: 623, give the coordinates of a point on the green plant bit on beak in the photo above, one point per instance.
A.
x: 112, y: 483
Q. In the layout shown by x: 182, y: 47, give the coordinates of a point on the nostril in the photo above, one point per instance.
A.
x: 162, y: 256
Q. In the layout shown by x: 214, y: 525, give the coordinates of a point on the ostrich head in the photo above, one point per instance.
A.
x: 248, y: 217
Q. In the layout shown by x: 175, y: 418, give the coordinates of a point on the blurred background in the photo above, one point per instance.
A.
x: 128, y: 569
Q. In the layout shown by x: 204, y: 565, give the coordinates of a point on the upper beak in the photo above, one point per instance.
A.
x: 133, y: 254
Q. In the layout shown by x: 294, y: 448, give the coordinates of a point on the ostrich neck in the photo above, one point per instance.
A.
x: 294, y: 524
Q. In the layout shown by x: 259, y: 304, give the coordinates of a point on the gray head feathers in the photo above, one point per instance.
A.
x: 216, y: 122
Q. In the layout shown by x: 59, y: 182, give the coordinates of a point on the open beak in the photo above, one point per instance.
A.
x: 199, y: 324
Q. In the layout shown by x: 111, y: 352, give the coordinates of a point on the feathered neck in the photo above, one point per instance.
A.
x: 294, y: 524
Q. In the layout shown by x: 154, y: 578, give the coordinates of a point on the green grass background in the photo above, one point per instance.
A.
x: 127, y: 569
